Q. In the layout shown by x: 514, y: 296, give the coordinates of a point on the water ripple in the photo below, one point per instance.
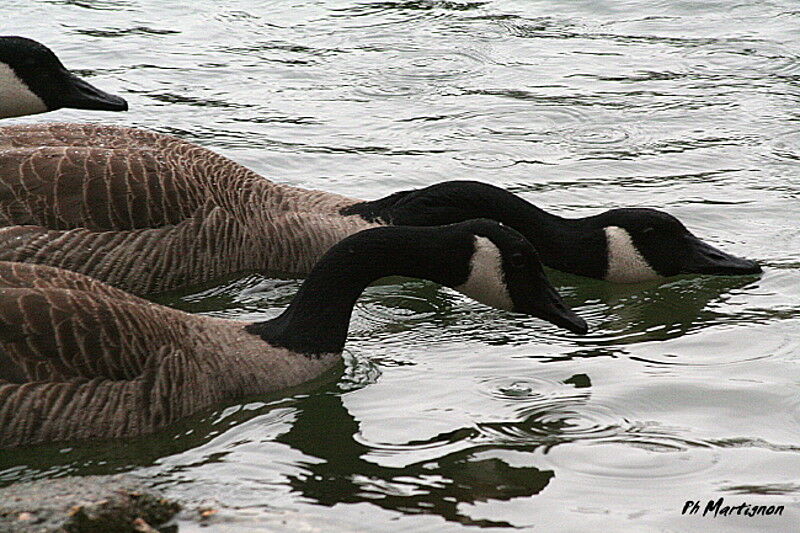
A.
x: 785, y: 148
x: 408, y: 71
x: 434, y: 65
x: 617, y: 464
x: 383, y: 13
x: 597, y: 135
x: 486, y: 159
x: 502, y: 119
x: 556, y: 422
x: 358, y: 372
x: 531, y: 389
x: 381, y: 88
x: 388, y: 309
x: 756, y: 57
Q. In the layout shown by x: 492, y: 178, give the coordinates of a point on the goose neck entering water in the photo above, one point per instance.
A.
x: 493, y: 264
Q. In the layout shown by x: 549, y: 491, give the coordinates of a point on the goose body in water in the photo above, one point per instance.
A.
x: 80, y: 359
x: 33, y: 80
x: 148, y: 213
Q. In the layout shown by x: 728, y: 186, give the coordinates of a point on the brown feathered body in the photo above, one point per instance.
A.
x: 147, y: 212
x: 80, y: 359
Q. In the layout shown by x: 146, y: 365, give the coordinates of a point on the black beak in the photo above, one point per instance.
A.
x: 83, y: 95
x: 550, y: 307
x: 705, y: 259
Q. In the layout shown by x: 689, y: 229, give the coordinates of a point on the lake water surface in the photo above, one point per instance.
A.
x: 449, y: 415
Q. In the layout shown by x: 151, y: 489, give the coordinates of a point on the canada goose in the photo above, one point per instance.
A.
x: 33, y: 80
x: 147, y: 213
x: 81, y: 359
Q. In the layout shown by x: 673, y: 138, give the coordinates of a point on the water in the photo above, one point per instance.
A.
x: 447, y: 414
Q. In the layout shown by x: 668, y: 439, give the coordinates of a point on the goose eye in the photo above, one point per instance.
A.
x: 648, y: 230
x: 517, y: 260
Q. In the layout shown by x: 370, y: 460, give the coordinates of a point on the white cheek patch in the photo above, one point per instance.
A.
x: 486, y: 282
x: 625, y: 263
x: 16, y: 99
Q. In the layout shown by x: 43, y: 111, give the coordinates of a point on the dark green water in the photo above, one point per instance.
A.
x: 447, y: 414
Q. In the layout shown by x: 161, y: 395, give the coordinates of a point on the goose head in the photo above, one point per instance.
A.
x: 504, y: 271
x: 643, y: 244
x: 33, y: 80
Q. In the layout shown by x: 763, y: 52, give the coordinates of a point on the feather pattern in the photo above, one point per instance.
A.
x: 80, y: 359
x: 148, y: 213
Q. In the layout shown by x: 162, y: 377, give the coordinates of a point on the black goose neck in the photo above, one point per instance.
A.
x: 450, y: 202
x: 577, y: 246
x: 317, y: 319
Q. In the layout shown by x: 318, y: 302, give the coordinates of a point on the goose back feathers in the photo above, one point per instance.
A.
x: 149, y: 213
x: 81, y: 359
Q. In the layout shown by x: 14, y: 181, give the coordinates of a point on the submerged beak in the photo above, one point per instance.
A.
x: 705, y: 259
x: 551, y: 307
x: 83, y: 95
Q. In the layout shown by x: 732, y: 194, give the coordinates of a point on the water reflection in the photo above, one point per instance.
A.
x: 136, y: 30
x: 101, y: 5
x: 324, y: 430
